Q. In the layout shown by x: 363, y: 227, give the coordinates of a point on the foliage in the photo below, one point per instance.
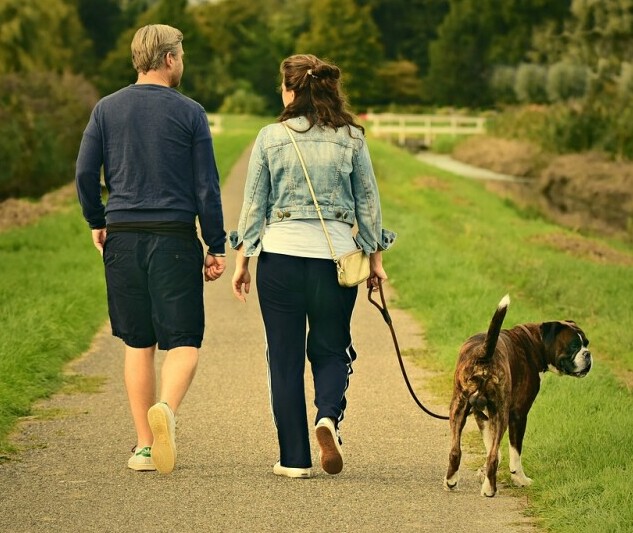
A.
x: 42, y: 117
x: 566, y: 81
x: 400, y: 81
x: 407, y: 27
x: 478, y: 35
x: 344, y: 33
x: 502, y: 84
x: 530, y: 83
x: 244, y: 102
x: 36, y: 36
x: 458, y: 54
x: 103, y: 21
x: 247, y: 41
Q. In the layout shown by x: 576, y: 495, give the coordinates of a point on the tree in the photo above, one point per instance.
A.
x: 345, y: 33
x: 458, y: 72
x: 401, y: 82
x: 478, y: 35
x: 597, y: 35
x: 247, y: 40
x: 407, y: 27
x: 39, y: 36
x: 103, y: 21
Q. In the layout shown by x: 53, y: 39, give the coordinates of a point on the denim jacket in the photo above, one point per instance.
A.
x: 341, y: 173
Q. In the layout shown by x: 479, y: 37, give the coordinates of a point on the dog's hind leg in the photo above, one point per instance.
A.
x: 516, y: 432
x: 458, y: 413
x: 491, y: 432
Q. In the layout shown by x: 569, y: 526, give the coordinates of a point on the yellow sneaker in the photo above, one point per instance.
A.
x: 163, y: 424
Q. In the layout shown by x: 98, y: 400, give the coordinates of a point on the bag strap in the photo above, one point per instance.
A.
x: 316, y: 204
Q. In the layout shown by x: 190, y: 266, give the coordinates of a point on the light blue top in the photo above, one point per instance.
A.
x: 342, y: 177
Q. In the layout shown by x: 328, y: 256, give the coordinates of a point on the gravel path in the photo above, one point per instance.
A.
x: 71, y: 474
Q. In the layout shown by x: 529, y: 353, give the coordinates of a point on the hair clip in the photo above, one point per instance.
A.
x: 312, y: 75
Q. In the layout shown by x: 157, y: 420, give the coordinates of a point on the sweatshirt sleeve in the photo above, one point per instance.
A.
x: 88, y: 174
x: 207, y: 188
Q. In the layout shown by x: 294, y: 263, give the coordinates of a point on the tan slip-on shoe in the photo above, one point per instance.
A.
x: 301, y: 473
x: 330, y: 454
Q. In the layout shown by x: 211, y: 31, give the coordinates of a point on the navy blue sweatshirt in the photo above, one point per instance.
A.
x: 157, y: 155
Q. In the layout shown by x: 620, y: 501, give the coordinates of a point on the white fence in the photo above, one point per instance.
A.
x: 422, y: 127
x: 215, y: 122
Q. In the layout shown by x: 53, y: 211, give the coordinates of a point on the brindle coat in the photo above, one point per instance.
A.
x: 497, y: 379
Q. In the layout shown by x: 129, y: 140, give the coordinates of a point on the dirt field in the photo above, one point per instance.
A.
x: 587, y: 192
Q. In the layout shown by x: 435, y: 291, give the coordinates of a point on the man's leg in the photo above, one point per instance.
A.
x: 140, y: 382
x: 177, y: 373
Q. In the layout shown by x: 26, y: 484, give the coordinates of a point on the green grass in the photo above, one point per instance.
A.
x: 52, y: 301
x: 459, y: 250
x: 52, y: 295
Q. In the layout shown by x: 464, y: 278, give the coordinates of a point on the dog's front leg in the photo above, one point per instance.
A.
x: 516, y: 432
x: 458, y: 413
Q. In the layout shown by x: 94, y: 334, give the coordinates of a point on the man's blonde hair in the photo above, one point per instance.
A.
x: 150, y: 45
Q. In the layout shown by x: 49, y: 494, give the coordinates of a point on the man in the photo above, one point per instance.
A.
x: 155, y: 148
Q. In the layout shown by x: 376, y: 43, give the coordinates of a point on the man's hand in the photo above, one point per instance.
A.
x: 98, y: 239
x: 213, y: 267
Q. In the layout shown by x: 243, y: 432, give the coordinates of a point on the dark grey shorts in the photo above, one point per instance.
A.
x: 155, y: 289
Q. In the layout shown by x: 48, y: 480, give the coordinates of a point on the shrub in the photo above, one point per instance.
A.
x: 625, y: 80
x: 530, y: 83
x: 566, y: 81
x: 243, y: 102
x: 42, y: 117
x: 502, y: 84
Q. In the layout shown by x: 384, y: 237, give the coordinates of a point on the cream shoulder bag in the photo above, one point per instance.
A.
x: 353, y: 267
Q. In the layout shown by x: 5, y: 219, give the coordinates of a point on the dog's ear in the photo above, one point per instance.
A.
x: 549, y: 330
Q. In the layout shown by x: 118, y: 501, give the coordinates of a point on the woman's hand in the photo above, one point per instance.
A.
x: 241, y: 281
x: 377, y: 273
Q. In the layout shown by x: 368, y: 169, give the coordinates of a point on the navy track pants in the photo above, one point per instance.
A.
x: 292, y: 289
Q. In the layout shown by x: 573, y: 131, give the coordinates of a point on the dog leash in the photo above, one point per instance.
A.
x: 385, y: 315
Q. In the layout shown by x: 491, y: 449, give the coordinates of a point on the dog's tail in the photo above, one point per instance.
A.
x: 494, y: 329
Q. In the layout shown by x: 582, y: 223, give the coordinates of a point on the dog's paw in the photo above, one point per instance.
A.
x: 487, y: 490
x: 451, y: 484
x: 520, y: 479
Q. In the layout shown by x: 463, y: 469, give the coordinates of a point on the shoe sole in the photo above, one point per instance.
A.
x: 142, y: 468
x: 292, y: 475
x: 163, y: 447
x: 331, y: 458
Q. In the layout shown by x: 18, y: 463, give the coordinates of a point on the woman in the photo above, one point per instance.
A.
x: 296, y: 276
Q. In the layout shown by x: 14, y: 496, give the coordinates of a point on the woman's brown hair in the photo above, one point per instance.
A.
x: 318, y: 94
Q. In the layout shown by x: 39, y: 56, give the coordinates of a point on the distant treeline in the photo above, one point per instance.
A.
x: 409, y: 55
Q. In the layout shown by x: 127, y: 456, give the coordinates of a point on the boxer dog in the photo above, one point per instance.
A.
x: 497, y: 379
